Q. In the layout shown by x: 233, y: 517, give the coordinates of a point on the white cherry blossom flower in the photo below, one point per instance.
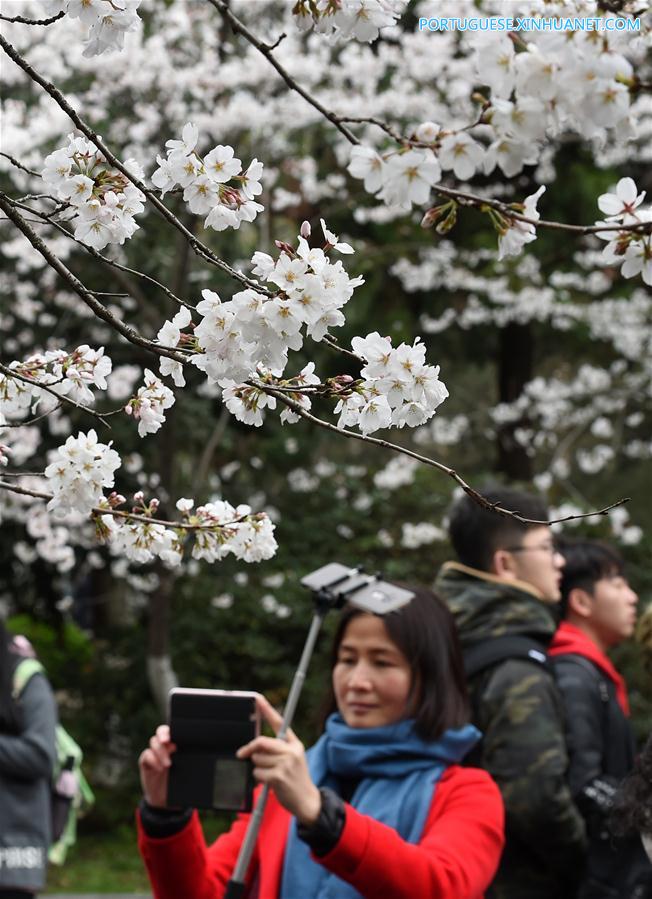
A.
x: 334, y: 241
x: 427, y: 132
x: 622, y: 202
x: 519, y: 233
x: 368, y: 166
x: 221, y: 165
x: 409, y: 177
x: 462, y: 154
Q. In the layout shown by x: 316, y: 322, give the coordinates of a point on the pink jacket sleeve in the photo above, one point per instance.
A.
x: 456, y: 858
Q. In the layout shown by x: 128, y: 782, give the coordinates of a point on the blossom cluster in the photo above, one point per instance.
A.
x: 398, y: 389
x: 205, y: 182
x: 359, y: 19
x: 550, y: 85
x: 253, y: 330
x: 79, y: 471
x: 218, y: 529
x: 248, y: 402
x: 103, y: 202
x: 150, y: 403
x: 69, y: 375
x: 632, y: 250
x: 107, y: 21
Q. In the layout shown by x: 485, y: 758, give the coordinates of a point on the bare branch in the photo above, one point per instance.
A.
x: 19, y: 165
x: 334, y: 345
x: 29, y: 421
x: 87, y: 296
x: 47, y: 218
x: 199, y: 248
x: 223, y: 7
x: 444, y: 469
x: 23, y: 21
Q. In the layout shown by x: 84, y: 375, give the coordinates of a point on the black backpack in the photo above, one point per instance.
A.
x: 486, y: 653
x: 479, y: 657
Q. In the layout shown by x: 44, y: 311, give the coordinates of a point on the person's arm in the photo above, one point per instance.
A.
x: 456, y: 857
x: 585, y: 713
x: 172, y: 843
x: 524, y: 750
x: 182, y: 865
x: 30, y: 755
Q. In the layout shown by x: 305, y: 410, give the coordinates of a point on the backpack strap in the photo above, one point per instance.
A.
x: 23, y: 673
x: 485, y: 653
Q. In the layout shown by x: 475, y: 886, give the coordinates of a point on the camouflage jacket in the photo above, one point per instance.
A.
x: 517, y: 707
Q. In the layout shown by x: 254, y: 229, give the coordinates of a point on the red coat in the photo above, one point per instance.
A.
x: 456, y: 858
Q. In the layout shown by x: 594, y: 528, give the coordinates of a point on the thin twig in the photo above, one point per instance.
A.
x: 470, y: 491
x: 87, y: 296
x: 330, y: 341
x: 29, y: 421
x: 223, y: 7
x: 23, y: 21
x: 47, y: 218
x: 199, y: 248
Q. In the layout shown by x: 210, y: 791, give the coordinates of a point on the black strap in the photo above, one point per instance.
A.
x: 488, y: 652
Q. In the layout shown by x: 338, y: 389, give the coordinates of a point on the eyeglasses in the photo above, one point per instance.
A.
x: 550, y: 548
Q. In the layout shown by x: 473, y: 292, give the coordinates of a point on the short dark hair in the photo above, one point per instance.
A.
x: 587, y: 561
x: 424, y: 630
x: 476, y: 533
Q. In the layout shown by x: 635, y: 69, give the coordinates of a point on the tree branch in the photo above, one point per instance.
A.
x: 444, y: 469
x: 23, y: 21
x: 47, y: 218
x: 11, y: 373
x: 19, y: 165
x: 223, y: 7
x: 474, y: 200
x: 87, y: 296
x: 199, y: 248
x: 129, y: 516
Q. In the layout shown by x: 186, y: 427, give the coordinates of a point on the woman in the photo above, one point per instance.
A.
x: 27, y: 752
x: 377, y: 808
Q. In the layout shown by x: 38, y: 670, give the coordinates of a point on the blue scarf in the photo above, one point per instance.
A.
x: 398, y: 774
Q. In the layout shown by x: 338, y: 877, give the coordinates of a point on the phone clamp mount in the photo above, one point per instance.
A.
x: 332, y: 586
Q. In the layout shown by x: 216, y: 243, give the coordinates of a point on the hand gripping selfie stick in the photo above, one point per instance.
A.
x: 332, y: 586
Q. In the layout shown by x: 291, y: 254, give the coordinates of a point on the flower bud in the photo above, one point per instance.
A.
x: 139, y: 496
x: 306, y: 230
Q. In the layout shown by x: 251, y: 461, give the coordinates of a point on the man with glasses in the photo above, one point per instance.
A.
x: 599, y: 611
x: 503, y: 591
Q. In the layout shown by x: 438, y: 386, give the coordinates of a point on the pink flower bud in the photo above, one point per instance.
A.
x: 306, y: 230
x: 139, y: 496
x: 129, y: 409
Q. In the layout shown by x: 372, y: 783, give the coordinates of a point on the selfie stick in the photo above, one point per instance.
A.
x: 332, y: 585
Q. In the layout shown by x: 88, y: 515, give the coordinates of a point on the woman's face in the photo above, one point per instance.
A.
x: 371, y: 677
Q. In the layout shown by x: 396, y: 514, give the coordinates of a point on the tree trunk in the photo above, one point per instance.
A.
x: 515, y: 366
x: 160, y: 673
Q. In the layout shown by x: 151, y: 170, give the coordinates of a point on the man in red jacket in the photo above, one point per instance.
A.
x: 599, y: 612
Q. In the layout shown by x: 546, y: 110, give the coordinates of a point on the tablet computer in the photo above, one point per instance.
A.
x: 208, y: 726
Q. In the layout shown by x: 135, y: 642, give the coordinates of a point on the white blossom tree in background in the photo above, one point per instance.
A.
x: 173, y: 177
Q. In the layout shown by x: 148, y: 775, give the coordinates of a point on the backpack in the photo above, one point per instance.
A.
x: 70, y: 793
x: 484, y: 654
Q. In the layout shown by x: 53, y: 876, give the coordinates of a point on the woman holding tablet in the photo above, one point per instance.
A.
x: 378, y: 807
